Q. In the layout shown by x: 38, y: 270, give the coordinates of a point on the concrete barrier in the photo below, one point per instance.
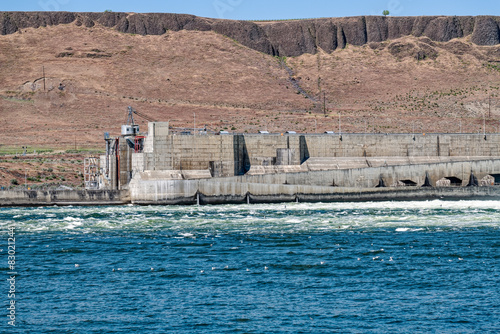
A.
x: 192, y: 192
x: 226, y: 190
x: 63, y: 197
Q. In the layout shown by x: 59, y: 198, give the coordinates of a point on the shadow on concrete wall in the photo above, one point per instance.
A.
x: 304, y: 151
x: 242, y: 160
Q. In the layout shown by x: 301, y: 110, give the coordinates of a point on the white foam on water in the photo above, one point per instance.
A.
x: 257, y: 218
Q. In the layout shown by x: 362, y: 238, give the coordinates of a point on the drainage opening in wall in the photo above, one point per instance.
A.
x: 449, y: 181
x: 408, y: 183
x: 496, y: 178
x: 454, y: 181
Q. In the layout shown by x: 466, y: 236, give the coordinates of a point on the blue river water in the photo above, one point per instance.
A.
x: 407, y: 267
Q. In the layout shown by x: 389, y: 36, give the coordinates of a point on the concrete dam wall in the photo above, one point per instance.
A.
x: 229, y: 155
x: 190, y: 192
x: 313, y: 186
x: 180, y: 168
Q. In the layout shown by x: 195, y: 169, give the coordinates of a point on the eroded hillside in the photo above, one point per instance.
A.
x: 95, y: 65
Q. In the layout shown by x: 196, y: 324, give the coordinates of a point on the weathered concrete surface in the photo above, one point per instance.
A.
x: 231, y: 155
x: 191, y: 192
x: 330, y: 185
x: 369, y: 177
x: 175, y: 169
x: 63, y: 197
x: 283, y: 167
x: 289, y: 38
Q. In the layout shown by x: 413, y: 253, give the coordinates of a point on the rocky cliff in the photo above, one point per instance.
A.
x: 284, y: 38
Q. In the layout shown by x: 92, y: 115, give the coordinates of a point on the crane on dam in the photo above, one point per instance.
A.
x: 131, y: 129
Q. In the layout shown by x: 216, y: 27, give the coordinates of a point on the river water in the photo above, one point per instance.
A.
x: 297, y: 268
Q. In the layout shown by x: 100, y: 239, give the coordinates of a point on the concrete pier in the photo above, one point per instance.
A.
x: 63, y: 197
x: 253, y: 195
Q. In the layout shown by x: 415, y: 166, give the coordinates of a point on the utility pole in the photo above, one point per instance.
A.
x: 489, y: 106
x: 324, y: 103
x: 484, y: 125
x: 194, y: 124
x: 43, y: 70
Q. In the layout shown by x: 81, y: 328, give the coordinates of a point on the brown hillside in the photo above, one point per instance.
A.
x: 284, y: 38
x: 394, y: 85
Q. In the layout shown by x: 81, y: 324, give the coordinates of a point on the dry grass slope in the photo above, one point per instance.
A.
x: 391, y: 86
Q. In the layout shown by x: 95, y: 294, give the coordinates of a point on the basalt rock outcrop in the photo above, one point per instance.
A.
x: 283, y: 38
